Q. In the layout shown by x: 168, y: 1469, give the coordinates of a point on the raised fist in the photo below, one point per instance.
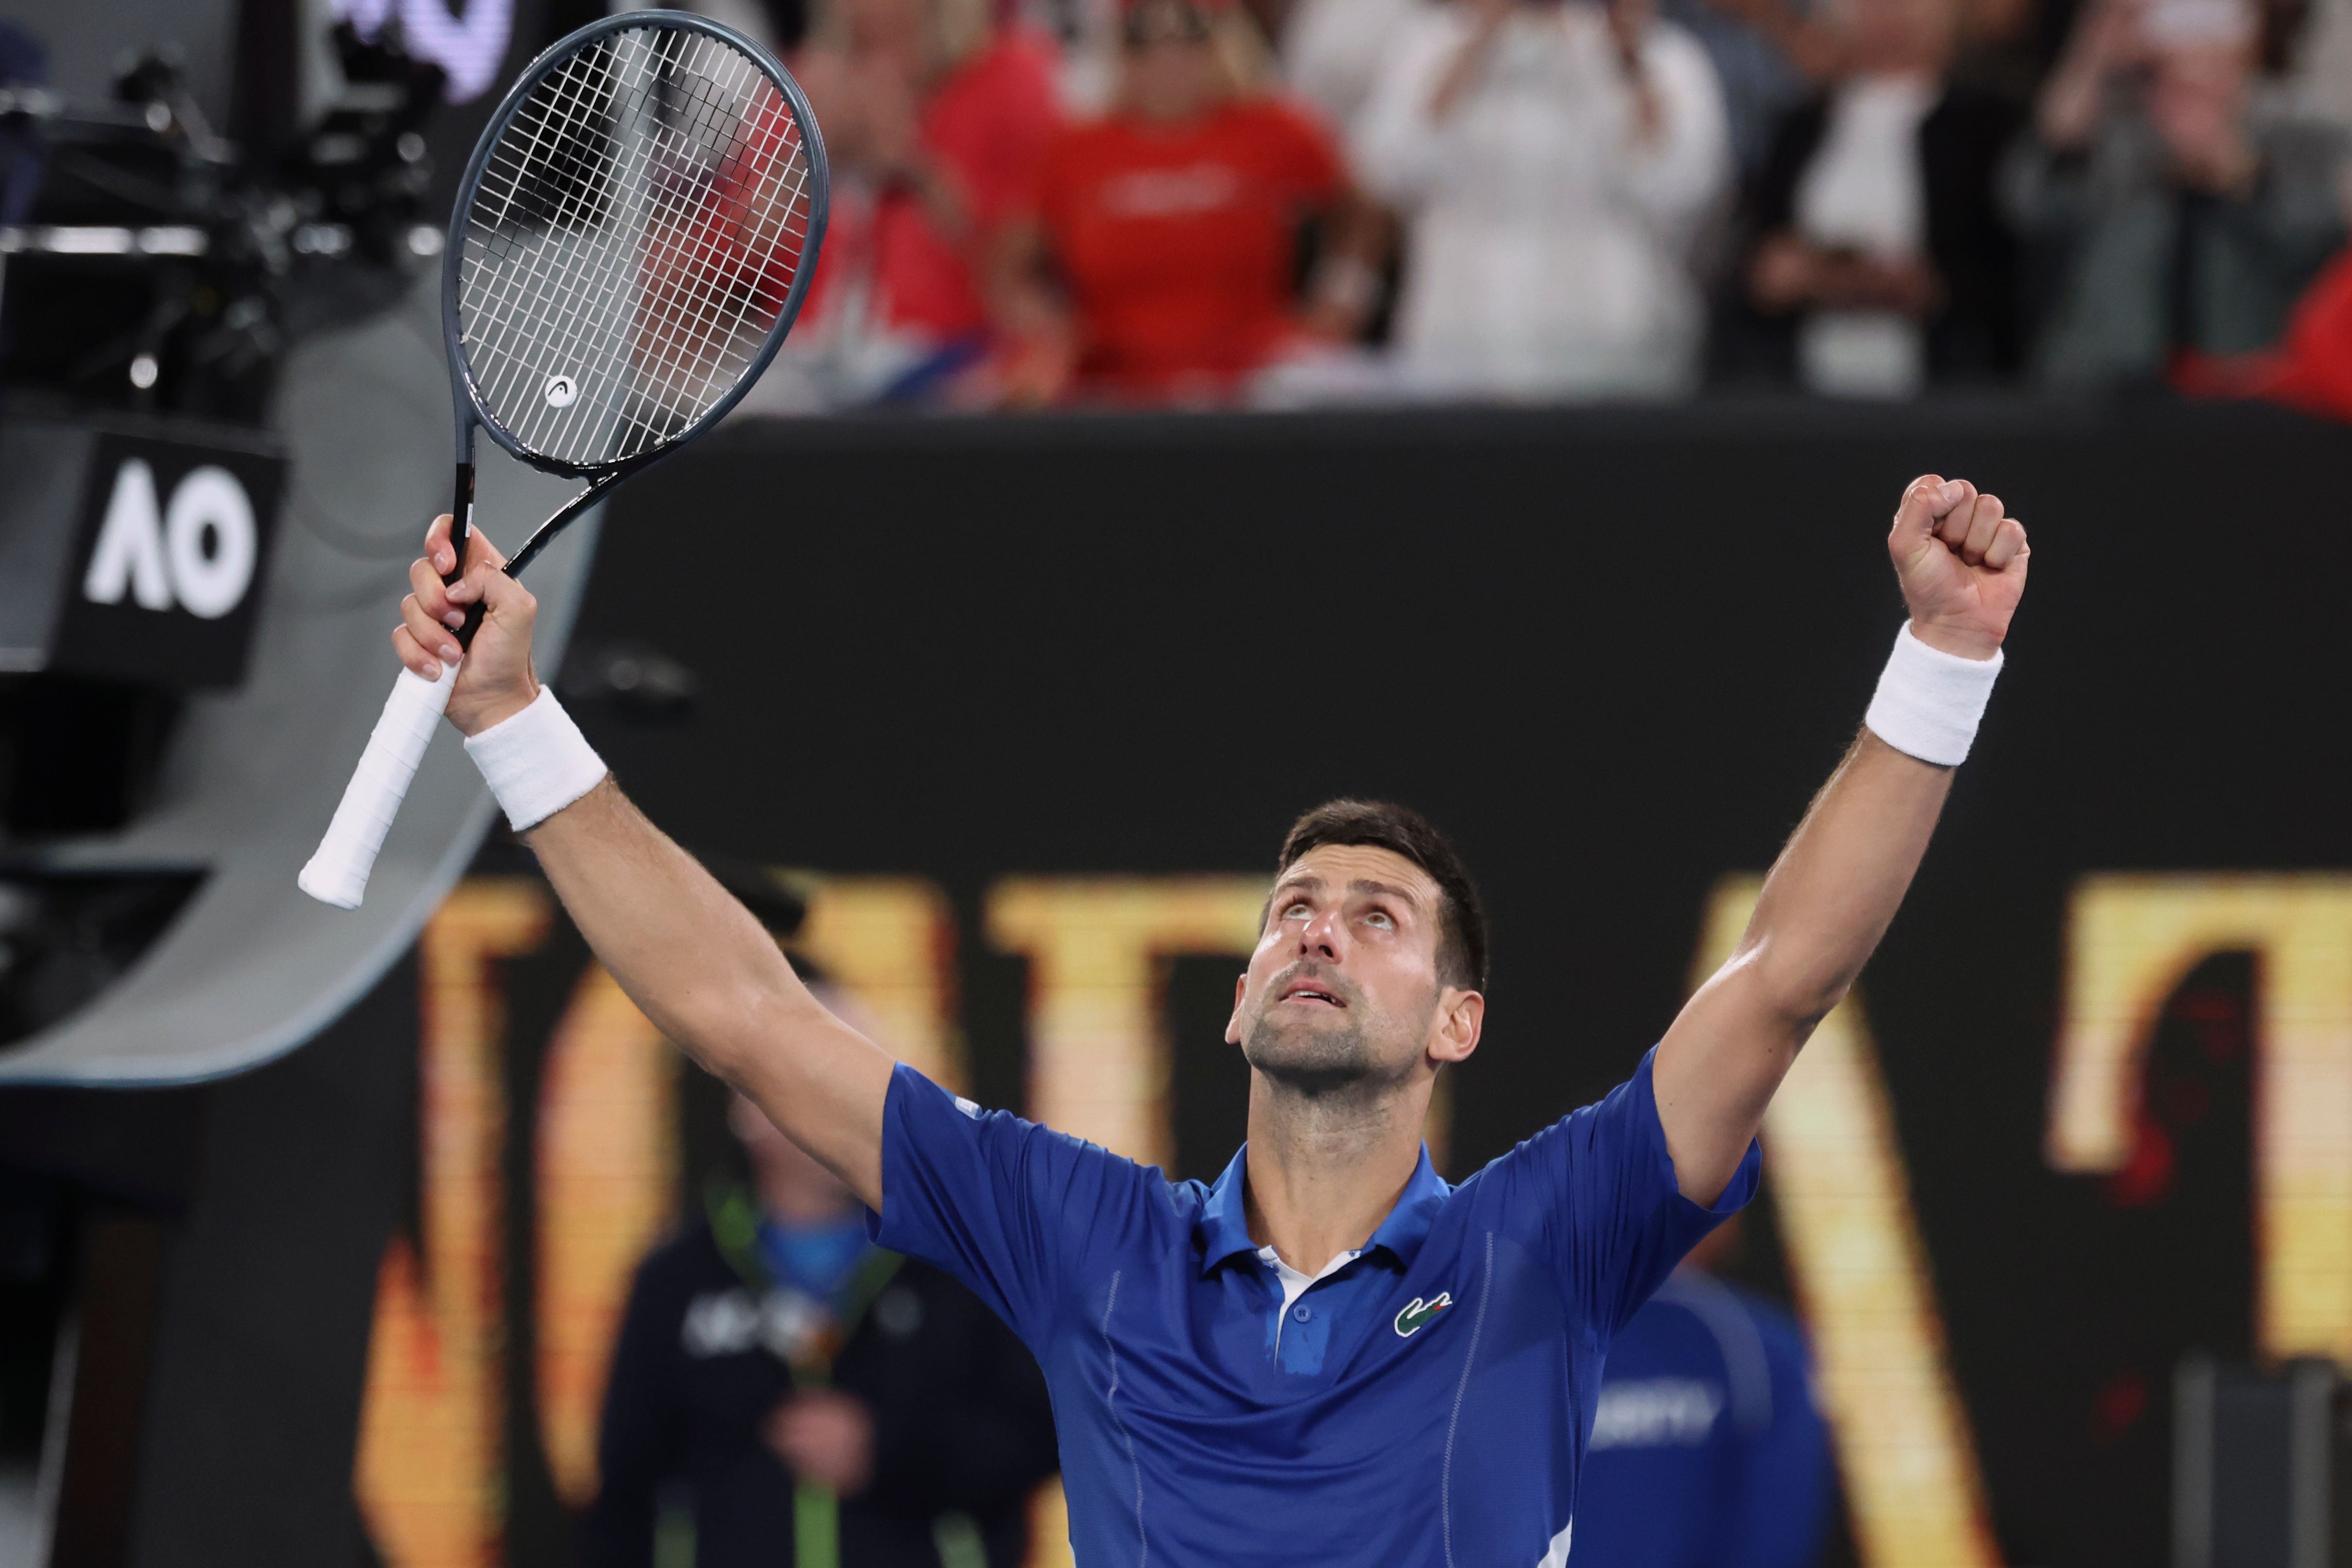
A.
x: 1961, y: 562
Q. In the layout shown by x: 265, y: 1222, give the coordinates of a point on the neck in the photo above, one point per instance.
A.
x: 1325, y: 1170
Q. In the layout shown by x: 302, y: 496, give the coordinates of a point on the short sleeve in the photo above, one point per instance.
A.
x: 1007, y: 1206
x: 1596, y: 1191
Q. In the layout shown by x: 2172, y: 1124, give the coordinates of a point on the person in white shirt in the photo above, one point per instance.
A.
x: 1554, y: 163
x: 1882, y: 262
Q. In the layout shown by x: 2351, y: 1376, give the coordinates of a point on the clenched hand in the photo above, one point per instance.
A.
x: 1961, y: 562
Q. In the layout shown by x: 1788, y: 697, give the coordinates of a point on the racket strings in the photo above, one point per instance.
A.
x: 531, y: 305
x: 703, y: 346
x: 509, y: 310
x: 701, y: 310
x: 598, y: 299
x: 510, y: 295
x: 663, y: 352
x: 632, y: 243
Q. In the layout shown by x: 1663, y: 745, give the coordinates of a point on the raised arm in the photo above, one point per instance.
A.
x: 686, y: 951
x: 1844, y: 874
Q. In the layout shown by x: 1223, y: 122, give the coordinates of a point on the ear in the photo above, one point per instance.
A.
x: 1234, y: 1024
x: 1454, y: 1033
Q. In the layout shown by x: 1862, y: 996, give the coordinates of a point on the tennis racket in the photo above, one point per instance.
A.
x: 634, y: 237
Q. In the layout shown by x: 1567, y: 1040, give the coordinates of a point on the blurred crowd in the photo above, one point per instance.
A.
x: 1289, y: 202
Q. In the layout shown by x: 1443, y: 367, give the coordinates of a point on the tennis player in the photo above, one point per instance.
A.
x: 1329, y: 1355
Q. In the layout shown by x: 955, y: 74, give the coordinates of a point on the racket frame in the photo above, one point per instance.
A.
x: 338, y: 872
x: 467, y: 405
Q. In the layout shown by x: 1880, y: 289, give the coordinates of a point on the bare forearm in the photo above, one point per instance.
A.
x: 1839, y: 882
x: 1962, y: 563
x: 710, y: 979
x: 685, y: 951
x: 1829, y: 899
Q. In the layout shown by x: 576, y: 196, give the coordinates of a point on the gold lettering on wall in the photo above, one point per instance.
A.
x: 891, y: 940
x: 1097, y: 950
x: 430, y: 1459
x: 2130, y: 941
x: 607, y: 1188
x: 1851, y: 1241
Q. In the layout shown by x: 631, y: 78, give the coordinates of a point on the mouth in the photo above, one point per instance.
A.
x: 1306, y: 993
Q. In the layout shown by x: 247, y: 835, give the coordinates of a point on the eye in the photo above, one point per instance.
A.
x: 1295, y: 911
x: 1381, y: 918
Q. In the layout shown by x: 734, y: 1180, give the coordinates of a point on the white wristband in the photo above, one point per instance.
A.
x: 1929, y: 702
x: 537, y: 761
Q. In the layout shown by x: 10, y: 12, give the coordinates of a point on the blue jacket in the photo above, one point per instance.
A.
x: 1707, y: 1451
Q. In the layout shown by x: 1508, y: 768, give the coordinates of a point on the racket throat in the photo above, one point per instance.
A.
x: 545, y: 533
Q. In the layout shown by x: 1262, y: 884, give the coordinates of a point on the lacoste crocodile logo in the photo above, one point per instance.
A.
x: 1418, y: 1314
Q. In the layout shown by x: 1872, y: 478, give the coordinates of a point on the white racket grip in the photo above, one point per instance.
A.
x: 338, y: 872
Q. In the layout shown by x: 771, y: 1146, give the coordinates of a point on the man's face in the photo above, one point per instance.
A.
x: 1343, y: 990
x: 1173, y: 81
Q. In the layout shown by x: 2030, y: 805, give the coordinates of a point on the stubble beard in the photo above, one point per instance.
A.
x: 1341, y: 1061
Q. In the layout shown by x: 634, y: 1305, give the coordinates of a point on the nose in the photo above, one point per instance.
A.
x: 1324, y: 937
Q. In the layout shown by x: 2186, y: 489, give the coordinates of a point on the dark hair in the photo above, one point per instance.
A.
x: 1401, y: 830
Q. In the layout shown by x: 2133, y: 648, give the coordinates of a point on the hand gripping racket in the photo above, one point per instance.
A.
x: 633, y: 238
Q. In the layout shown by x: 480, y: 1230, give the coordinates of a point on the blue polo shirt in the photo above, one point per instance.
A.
x: 1425, y: 1406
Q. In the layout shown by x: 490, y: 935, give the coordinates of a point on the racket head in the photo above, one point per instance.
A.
x: 634, y: 237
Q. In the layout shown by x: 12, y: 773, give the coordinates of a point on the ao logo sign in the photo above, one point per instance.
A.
x: 198, y: 553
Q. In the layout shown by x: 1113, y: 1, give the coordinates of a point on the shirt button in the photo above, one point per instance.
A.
x: 1299, y: 1314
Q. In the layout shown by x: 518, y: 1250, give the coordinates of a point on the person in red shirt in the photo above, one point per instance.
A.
x: 935, y: 120
x: 2311, y: 367
x: 1161, y: 258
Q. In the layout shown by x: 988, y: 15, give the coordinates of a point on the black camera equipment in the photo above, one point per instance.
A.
x: 152, y: 281
x: 153, y: 270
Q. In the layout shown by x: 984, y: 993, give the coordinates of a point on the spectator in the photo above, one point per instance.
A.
x: 1162, y: 258
x: 2312, y: 367
x: 935, y: 118
x: 1883, y: 261
x: 1553, y: 163
x: 2182, y: 211
x: 815, y: 1400
x: 1706, y: 1449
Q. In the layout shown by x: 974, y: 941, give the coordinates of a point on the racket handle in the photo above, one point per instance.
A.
x: 338, y: 872
x: 461, y: 530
